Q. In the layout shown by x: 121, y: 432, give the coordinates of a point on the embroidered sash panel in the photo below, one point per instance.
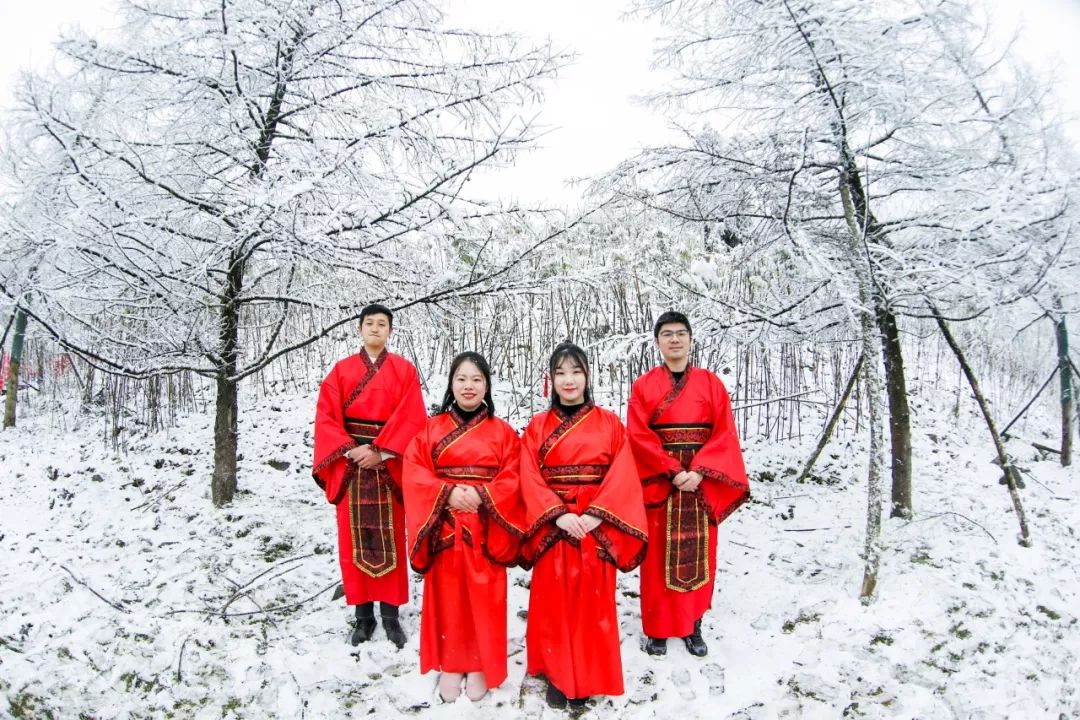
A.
x: 682, y: 441
x: 363, y: 431
x: 569, y: 480
x: 687, y: 565
x: 371, y: 507
x: 555, y: 475
x: 467, y: 474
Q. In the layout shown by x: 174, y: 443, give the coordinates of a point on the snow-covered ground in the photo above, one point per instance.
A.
x: 123, y: 593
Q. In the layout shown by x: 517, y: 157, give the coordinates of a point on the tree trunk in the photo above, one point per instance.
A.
x: 871, y: 347
x: 899, y: 413
x: 1067, y: 401
x: 88, y: 387
x: 876, y: 470
x: 223, y: 484
x: 831, y: 425
x: 7, y: 329
x: 13, y: 368
x: 1011, y: 474
x: 863, y: 222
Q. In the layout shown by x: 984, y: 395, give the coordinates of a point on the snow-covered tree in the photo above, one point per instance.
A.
x: 236, y: 179
x: 876, y: 149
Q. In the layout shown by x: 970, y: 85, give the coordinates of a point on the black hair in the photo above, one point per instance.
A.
x: 569, y: 351
x: 478, y: 360
x: 377, y: 309
x: 670, y: 318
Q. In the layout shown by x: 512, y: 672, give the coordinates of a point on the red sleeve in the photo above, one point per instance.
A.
x: 404, y: 422
x: 542, y: 505
x: 425, y: 498
x: 655, y: 467
x: 503, y: 513
x: 720, y: 461
x: 619, y: 504
x: 331, y: 440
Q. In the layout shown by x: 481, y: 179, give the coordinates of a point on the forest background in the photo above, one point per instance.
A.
x: 868, y: 213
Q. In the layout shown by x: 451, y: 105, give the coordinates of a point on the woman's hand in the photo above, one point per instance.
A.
x: 464, y: 498
x: 577, y: 526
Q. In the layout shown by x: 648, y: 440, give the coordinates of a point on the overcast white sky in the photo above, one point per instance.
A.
x: 590, y: 111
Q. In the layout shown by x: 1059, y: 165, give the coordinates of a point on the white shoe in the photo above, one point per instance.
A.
x: 476, y: 686
x: 450, y: 686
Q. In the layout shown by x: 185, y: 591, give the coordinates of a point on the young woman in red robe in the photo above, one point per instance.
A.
x: 683, y: 436
x: 465, y: 517
x: 369, y: 409
x: 585, y: 519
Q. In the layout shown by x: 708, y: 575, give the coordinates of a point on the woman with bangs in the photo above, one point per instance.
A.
x: 585, y: 518
x: 465, y: 521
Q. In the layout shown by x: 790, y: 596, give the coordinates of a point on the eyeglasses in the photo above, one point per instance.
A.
x: 669, y: 334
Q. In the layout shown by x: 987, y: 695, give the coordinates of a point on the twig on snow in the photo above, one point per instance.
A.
x: 959, y: 515
x: 834, y: 527
x: 104, y: 599
x: 180, y: 661
x: 279, y: 608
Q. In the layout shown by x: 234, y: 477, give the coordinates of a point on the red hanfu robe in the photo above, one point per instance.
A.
x: 378, y: 403
x: 673, y: 427
x: 580, y: 464
x: 463, y: 620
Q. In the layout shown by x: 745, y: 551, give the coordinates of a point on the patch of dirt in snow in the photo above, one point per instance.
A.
x: 126, y: 595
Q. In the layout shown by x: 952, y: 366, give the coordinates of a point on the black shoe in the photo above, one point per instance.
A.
x: 555, y: 697
x: 391, y: 624
x: 695, y: 645
x: 365, y: 624
x: 656, y: 646
x: 577, y: 703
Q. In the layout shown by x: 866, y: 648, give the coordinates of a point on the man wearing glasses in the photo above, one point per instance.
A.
x: 682, y: 432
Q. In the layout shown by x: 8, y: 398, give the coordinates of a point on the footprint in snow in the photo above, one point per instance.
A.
x: 681, y: 679
x: 644, y: 690
x: 715, y: 675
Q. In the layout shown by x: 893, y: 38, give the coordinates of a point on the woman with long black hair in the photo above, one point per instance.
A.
x: 585, y: 518
x: 465, y: 522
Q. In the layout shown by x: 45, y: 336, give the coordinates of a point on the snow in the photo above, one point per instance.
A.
x: 184, y: 622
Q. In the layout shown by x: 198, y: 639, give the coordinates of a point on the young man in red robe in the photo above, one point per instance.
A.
x: 369, y: 409
x: 688, y: 457
x: 585, y: 519
x: 463, y: 507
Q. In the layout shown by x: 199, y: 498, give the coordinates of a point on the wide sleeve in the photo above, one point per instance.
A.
x: 541, y: 503
x: 331, y: 440
x: 655, y: 466
x: 724, y: 483
x: 425, y: 497
x: 404, y: 423
x: 503, y: 514
x: 406, y: 419
x: 619, y: 503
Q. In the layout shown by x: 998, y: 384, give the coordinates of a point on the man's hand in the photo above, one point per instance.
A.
x: 687, y: 481
x: 464, y: 498
x: 364, y: 457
